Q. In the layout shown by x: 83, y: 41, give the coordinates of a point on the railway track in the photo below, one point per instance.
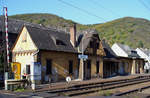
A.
x: 80, y: 89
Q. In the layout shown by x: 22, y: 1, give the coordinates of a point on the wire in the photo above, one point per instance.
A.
x: 80, y: 9
x: 109, y: 10
x: 77, y: 18
x: 142, y: 2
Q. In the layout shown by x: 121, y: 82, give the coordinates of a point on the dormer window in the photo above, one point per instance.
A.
x: 59, y: 42
x: 132, y: 51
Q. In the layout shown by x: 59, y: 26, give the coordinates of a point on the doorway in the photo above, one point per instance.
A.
x: 87, y: 69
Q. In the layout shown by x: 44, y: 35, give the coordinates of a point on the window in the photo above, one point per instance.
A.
x: 27, y: 69
x: 91, y: 44
x: 97, y: 67
x: 88, y: 64
x: 24, y: 37
x: 59, y: 42
x: 132, y: 51
x: 97, y: 45
x: 70, y: 67
x: 48, y: 66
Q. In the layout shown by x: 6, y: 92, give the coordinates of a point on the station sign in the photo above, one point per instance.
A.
x: 81, y: 56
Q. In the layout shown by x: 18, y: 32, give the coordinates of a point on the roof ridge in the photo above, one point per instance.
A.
x: 46, y: 28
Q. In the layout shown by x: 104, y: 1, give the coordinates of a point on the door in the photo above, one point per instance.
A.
x: 16, y: 68
x: 48, y: 67
x: 48, y: 70
x: 87, y: 69
x: 121, y: 68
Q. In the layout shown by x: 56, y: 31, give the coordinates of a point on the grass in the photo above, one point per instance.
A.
x: 19, y: 89
x: 105, y: 93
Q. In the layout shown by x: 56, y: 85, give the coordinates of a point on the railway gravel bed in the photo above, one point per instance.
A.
x: 64, y: 85
x: 91, y: 87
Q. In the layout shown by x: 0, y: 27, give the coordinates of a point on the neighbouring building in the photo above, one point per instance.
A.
x: 110, y: 61
x: 45, y: 53
x: 13, y: 29
x: 130, y: 62
x: 145, y: 54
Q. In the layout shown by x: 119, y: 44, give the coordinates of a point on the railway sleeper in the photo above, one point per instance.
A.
x: 92, y: 86
x: 85, y: 91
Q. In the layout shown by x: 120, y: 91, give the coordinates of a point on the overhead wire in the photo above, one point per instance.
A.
x: 77, y: 17
x: 142, y: 2
x: 84, y: 16
x: 83, y: 10
x: 107, y: 9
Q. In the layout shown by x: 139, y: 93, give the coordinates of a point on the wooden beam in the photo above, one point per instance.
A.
x: 101, y: 69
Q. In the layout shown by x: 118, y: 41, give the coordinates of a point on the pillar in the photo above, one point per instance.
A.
x: 81, y: 69
x: 133, y: 71
x: 141, y: 67
x: 101, y: 69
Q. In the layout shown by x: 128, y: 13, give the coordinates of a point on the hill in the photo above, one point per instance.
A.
x: 48, y: 20
x: 134, y: 32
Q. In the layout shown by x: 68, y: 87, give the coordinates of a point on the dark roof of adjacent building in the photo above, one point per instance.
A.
x: 108, y: 51
x: 47, y: 39
x: 15, y: 25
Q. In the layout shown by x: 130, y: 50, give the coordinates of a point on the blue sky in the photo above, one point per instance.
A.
x: 82, y: 11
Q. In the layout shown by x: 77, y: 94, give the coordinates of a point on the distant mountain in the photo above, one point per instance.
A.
x: 48, y: 20
x: 134, y: 32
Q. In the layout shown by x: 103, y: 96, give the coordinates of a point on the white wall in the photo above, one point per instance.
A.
x: 144, y: 56
x: 118, y: 51
x: 24, y: 60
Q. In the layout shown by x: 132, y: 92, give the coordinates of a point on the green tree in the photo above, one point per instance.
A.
x: 140, y: 44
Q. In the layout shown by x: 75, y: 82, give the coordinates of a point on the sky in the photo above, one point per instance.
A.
x: 81, y: 11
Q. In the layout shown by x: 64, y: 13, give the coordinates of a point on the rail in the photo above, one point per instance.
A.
x: 94, y: 87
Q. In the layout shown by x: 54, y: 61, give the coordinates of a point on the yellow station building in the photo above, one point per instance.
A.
x: 50, y: 54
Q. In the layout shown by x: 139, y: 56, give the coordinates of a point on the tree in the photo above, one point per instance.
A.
x: 140, y: 44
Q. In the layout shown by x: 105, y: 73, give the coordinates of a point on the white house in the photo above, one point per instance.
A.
x: 129, y: 59
x: 145, y: 54
x: 124, y: 50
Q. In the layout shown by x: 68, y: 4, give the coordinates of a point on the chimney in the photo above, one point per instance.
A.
x: 73, y: 35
